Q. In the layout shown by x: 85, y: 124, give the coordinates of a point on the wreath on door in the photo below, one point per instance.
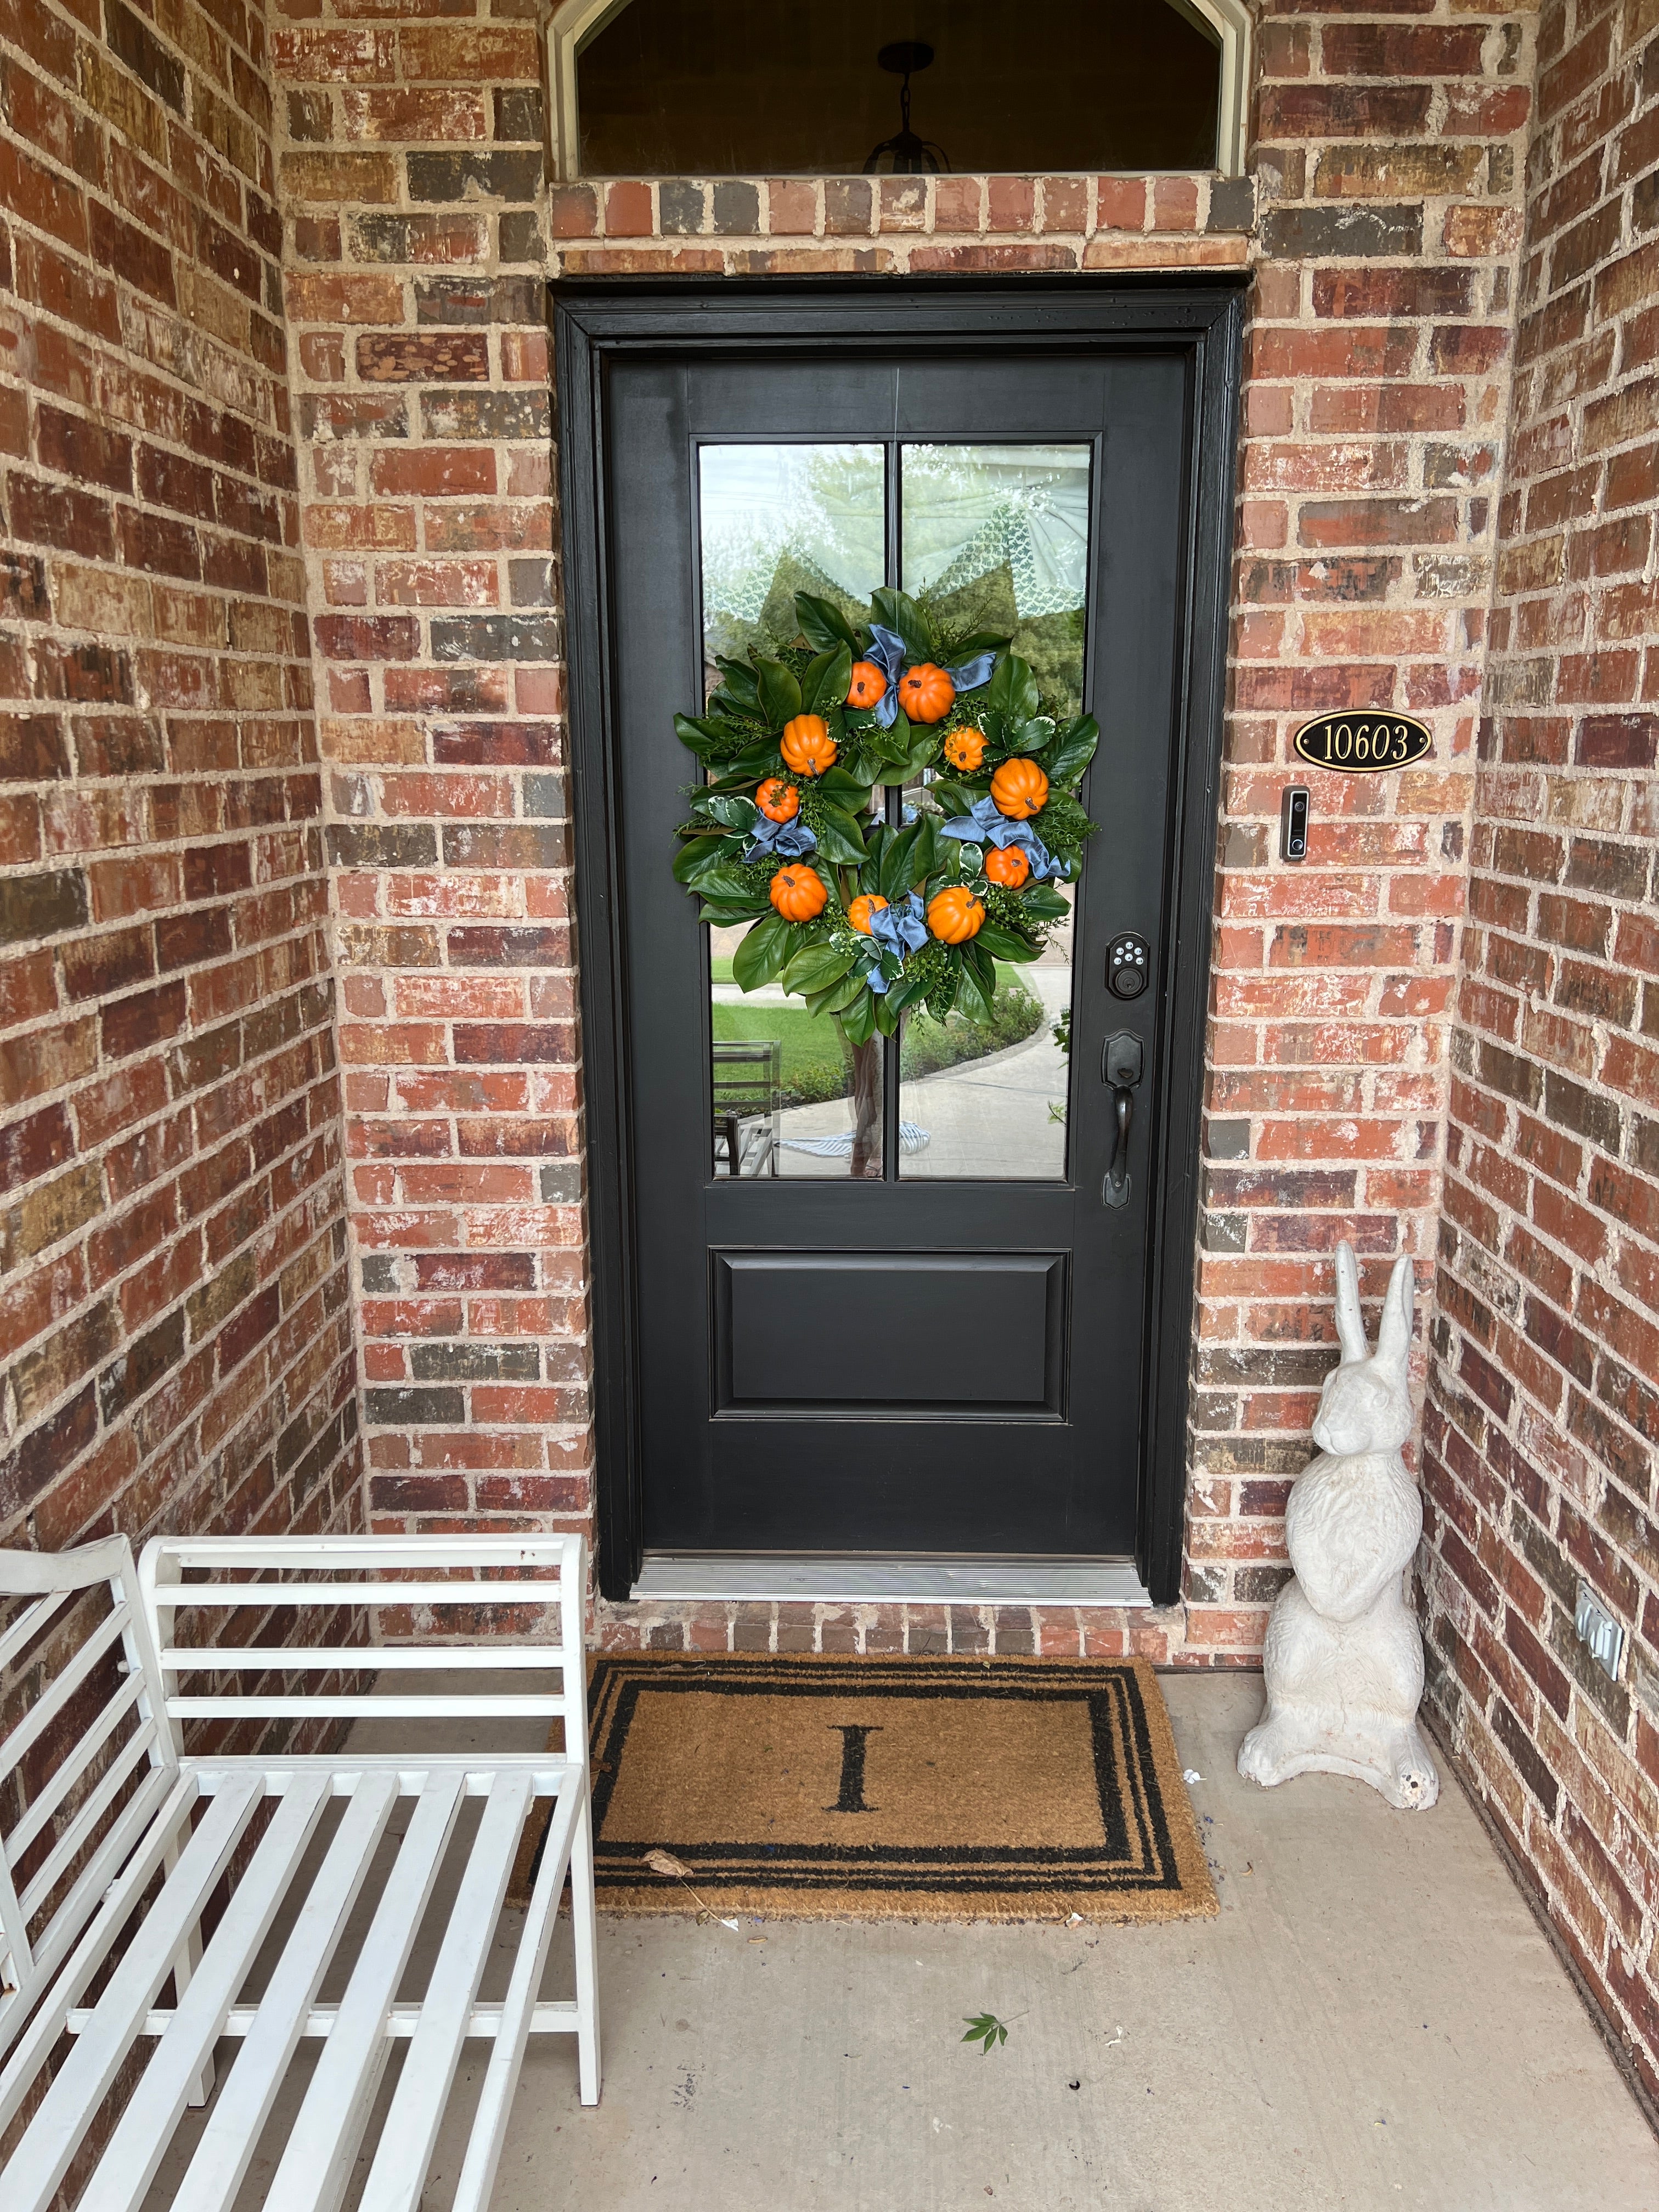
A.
x: 862, y: 918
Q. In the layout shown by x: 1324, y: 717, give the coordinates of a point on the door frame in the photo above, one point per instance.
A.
x: 596, y: 323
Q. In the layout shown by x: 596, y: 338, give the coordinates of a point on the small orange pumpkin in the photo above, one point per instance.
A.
x: 777, y: 800
x: 954, y: 915
x: 862, y: 908
x: 965, y: 750
x: 807, y: 746
x: 1007, y: 866
x: 869, y: 682
x: 799, y: 893
x: 1018, y: 789
x: 925, y: 693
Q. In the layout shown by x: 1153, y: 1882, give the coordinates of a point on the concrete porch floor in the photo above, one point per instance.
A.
x: 1374, y: 2021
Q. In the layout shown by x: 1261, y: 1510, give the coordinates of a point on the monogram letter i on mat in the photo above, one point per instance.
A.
x: 1343, y: 1661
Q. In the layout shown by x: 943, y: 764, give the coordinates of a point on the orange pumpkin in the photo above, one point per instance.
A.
x: 1007, y: 866
x: 925, y: 693
x: 954, y: 915
x: 868, y: 684
x: 859, y: 914
x: 777, y: 800
x: 965, y: 750
x: 1018, y: 789
x: 799, y: 893
x: 807, y: 746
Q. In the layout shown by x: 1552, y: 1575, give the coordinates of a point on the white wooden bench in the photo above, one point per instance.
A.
x: 163, y: 1663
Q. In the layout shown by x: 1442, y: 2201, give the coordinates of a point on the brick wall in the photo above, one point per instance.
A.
x: 1382, y: 221
x: 175, y: 1332
x: 1545, y: 1414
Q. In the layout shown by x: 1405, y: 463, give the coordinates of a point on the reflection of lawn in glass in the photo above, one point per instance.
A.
x: 815, y: 1069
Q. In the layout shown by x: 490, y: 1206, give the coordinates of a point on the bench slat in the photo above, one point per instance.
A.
x: 42, y: 2158
x: 47, y: 1708
x: 484, y: 2148
x: 318, y: 2158
x: 272, y: 2028
x: 405, y: 2152
x: 150, y: 1822
x: 139, y: 2142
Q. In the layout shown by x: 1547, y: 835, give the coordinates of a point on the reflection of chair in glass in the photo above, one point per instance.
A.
x: 748, y: 1084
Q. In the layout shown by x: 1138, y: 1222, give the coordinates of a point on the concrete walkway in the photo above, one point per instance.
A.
x: 1374, y: 2021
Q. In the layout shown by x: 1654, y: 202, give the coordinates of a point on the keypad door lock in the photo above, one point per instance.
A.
x: 1128, y: 965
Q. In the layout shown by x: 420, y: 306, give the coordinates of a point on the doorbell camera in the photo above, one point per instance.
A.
x: 1293, y: 823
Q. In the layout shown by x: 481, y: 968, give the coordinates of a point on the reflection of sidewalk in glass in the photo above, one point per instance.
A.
x: 986, y: 1118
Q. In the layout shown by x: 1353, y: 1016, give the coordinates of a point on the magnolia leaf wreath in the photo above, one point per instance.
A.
x: 858, y: 917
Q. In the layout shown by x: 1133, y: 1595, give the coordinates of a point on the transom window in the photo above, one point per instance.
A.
x: 745, y: 87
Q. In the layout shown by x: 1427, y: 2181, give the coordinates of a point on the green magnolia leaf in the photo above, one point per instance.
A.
x: 761, y: 953
x: 954, y: 798
x: 747, y: 768
x: 740, y: 683
x: 977, y: 958
x: 923, y: 746
x: 887, y: 1014
x: 704, y: 739
x: 894, y: 745
x: 908, y: 988
x: 838, y: 835
x: 861, y: 1016
x: 897, y: 877
x: 780, y: 693
x: 838, y: 997
x: 929, y: 848
x: 724, y: 914
x: 1013, y: 690
x: 843, y: 782
x: 1044, y: 905
x: 825, y: 684
x: 896, y: 611
x: 973, y: 1000
x: 726, y: 885
x: 978, y: 642
x: 695, y: 858
x: 735, y: 812
x: 1072, y: 751
x: 815, y: 969
x: 1003, y: 944
x: 823, y: 626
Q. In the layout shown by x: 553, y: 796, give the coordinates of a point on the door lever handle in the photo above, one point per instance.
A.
x: 1122, y: 1064
x: 1115, y: 1191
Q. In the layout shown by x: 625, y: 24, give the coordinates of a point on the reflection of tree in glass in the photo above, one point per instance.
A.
x: 997, y: 538
x: 807, y: 519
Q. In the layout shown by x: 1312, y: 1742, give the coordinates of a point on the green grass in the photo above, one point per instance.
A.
x: 814, y: 1067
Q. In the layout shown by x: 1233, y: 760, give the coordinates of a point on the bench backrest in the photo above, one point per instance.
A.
x: 88, y: 1760
x: 384, y: 1605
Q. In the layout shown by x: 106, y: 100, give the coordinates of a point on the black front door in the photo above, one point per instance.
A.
x: 907, y: 1304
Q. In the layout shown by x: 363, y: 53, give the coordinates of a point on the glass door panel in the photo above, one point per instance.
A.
x: 788, y: 1097
x: 997, y: 537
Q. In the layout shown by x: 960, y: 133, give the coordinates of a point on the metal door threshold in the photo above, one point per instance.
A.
x: 891, y: 1582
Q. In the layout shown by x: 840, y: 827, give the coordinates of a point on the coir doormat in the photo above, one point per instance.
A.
x: 894, y: 1789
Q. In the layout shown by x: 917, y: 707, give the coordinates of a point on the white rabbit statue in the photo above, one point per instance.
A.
x: 1343, y: 1661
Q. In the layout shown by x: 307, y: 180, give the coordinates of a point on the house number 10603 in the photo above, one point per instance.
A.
x: 1363, y: 745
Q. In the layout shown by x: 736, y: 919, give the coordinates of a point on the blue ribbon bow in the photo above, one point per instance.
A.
x: 789, y: 840
x: 890, y: 652
x: 897, y: 929
x: 984, y: 825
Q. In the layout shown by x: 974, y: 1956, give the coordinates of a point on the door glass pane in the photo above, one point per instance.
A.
x: 996, y: 538
x: 789, y: 1098
x: 779, y: 520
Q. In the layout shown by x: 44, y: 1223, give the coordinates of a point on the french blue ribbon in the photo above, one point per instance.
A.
x: 788, y: 840
x: 969, y: 675
x: 901, y: 928
x: 984, y: 825
x: 887, y: 651
x: 895, y: 929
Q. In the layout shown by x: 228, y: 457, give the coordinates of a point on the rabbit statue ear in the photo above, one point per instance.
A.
x: 1350, y: 1322
x: 1393, y: 1335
